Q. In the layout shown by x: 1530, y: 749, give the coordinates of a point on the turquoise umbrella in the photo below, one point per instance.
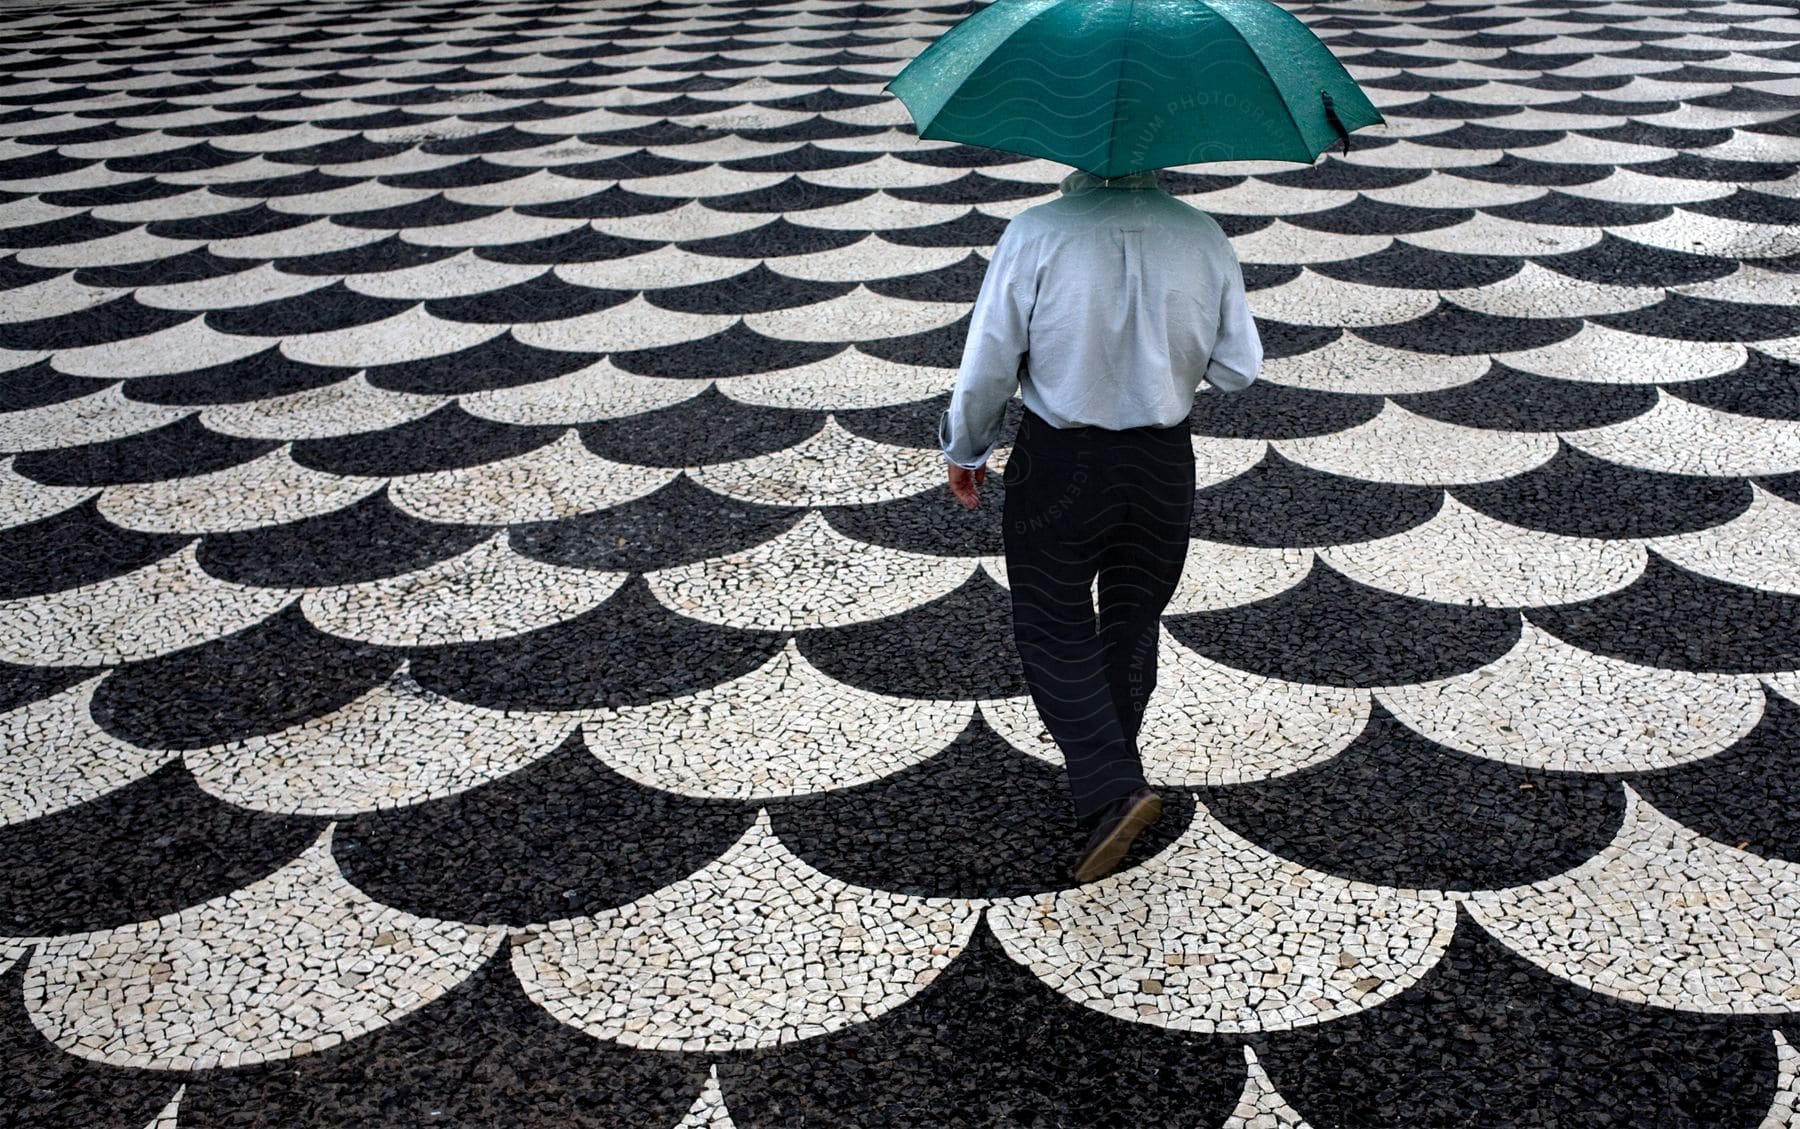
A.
x: 1115, y: 86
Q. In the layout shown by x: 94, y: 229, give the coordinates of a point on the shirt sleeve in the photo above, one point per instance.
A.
x: 997, y: 342
x: 1237, y: 354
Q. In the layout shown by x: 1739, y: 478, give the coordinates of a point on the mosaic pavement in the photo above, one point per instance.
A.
x: 483, y: 640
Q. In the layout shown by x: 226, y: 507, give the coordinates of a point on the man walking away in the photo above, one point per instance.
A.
x: 1107, y: 307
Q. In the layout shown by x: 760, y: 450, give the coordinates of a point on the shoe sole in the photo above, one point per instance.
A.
x: 1104, y: 859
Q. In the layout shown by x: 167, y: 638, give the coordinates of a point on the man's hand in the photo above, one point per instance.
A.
x: 963, y: 483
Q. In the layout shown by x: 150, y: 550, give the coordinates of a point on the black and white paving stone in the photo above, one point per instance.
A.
x: 483, y: 640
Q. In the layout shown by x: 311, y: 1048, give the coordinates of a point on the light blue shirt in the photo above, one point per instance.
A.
x: 1105, y: 307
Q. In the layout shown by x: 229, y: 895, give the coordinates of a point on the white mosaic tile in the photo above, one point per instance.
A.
x: 162, y: 607
x: 1663, y: 916
x: 755, y: 949
x: 1623, y: 186
x: 488, y: 592
x: 1462, y: 556
x: 1253, y: 197
x: 1313, y: 299
x: 1537, y: 292
x: 596, y: 392
x: 664, y: 266
x: 53, y: 756
x: 631, y: 325
x: 1447, y: 190
x: 885, y: 171
x: 1400, y: 446
x: 1215, y: 934
x: 53, y: 297
x: 1612, y: 356
x: 1750, y: 284
x: 1784, y: 1111
x: 784, y: 729
x: 291, y: 964
x: 882, y: 212
x: 842, y: 382
x: 411, y: 335
x: 1712, y: 235
x: 808, y: 577
x: 1283, y: 243
x: 1405, y: 154
x: 708, y: 1110
x: 1760, y: 548
x: 170, y: 1117
x: 316, y: 238
x: 259, y: 284
x: 180, y: 348
x: 344, y: 408
x: 868, y: 259
x: 1351, y: 364
x: 1493, y: 235
x: 1261, y: 1105
x: 396, y: 745
x: 832, y: 467
x: 23, y: 500
x: 690, y: 221
x: 1216, y: 575
x: 1219, y: 460
x: 860, y: 315
x: 1547, y: 704
x: 560, y: 480
x: 134, y: 246
x: 1684, y: 438
x: 265, y: 491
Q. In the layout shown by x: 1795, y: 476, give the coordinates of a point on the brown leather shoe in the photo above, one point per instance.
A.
x: 1107, y: 846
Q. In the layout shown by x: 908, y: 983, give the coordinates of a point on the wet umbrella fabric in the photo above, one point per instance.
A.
x: 1115, y: 86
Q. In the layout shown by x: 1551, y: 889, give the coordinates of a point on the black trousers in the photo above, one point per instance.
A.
x: 1087, y: 504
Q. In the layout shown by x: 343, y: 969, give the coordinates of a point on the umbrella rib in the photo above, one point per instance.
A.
x: 1112, y: 132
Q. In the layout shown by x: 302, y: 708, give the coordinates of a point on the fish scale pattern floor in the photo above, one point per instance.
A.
x: 483, y: 640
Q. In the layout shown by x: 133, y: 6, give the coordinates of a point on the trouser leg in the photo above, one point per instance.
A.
x: 1141, y: 566
x: 1055, y: 492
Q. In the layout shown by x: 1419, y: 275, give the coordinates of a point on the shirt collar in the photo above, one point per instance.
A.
x: 1079, y: 181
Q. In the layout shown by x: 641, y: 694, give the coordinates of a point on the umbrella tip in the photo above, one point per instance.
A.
x: 1332, y: 119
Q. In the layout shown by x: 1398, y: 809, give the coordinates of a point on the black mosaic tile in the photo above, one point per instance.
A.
x: 790, y: 195
x: 392, y: 253
x: 548, y: 297
x: 1510, y: 1042
x: 136, y: 853
x: 755, y: 291
x: 904, y: 655
x: 259, y: 376
x: 433, y: 211
x: 1619, y: 262
x: 1679, y: 620
x: 443, y: 440
x: 736, y: 350
x: 265, y: 678
x: 1509, y: 399
x: 1698, y: 166
x: 120, y: 319
x: 1397, y: 809
x: 777, y: 238
x: 1408, y: 266
x: 582, y: 245
x: 564, y: 837
x: 1333, y: 631
x: 958, y: 282
x: 1580, y: 211
x: 975, y: 229
x: 1332, y: 174
x: 472, y: 173
x: 35, y: 386
x: 499, y: 362
x: 933, y: 830
x: 1684, y: 318
x: 481, y: 1055
x: 365, y: 540
x: 677, y: 524
x: 1514, y: 169
x: 174, y: 450
x: 199, y: 157
x: 931, y: 348
x: 987, y: 1044
x: 317, y: 311
x: 1764, y: 386
x: 628, y: 651
x: 616, y: 202
x: 805, y: 157
x: 1279, y: 504
x: 1581, y: 496
x: 74, y: 548
x: 1453, y: 330
x: 709, y: 428
x: 1747, y: 796
x: 1266, y: 410
x: 14, y: 274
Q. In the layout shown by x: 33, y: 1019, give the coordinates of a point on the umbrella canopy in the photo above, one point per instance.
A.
x: 1115, y: 86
